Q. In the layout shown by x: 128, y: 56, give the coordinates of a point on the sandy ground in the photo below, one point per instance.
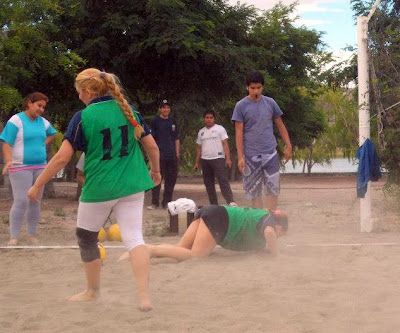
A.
x: 328, y: 278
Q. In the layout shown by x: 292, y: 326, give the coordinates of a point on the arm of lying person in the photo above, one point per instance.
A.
x: 271, y: 239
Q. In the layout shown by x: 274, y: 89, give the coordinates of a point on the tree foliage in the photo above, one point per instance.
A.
x: 384, y: 48
x: 339, y: 110
x: 31, y: 59
x: 195, y: 53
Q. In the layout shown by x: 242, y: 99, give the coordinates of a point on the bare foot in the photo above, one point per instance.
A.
x: 145, y: 305
x: 13, y: 242
x: 33, y: 240
x: 87, y: 295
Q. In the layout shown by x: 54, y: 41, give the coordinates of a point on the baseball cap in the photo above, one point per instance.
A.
x: 164, y: 102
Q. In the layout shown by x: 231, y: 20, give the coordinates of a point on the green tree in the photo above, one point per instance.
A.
x: 339, y: 137
x: 341, y: 110
x: 196, y: 54
x: 30, y: 58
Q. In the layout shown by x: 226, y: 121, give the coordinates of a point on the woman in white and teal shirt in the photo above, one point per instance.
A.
x: 25, y: 137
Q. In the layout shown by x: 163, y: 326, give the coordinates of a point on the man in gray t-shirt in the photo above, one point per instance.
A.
x: 254, y: 117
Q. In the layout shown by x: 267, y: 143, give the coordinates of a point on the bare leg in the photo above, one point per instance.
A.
x: 272, y: 202
x: 92, y: 292
x: 186, y: 241
x: 190, y: 234
x: 257, y: 202
x: 140, y: 261
x: 203, y: 245
x: 170, y: 251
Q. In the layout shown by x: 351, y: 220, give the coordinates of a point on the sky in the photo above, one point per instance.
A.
x: 334, y: 17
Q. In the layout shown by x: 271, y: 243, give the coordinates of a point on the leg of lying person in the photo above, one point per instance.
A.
x: 203, y: 245
x: 190, y: 234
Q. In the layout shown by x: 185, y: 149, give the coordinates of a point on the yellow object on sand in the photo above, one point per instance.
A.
x: 114, y: 234
x: 102, y: 236
x: 102, y: 250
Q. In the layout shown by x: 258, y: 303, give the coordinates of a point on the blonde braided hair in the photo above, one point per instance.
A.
x: 102, y: 84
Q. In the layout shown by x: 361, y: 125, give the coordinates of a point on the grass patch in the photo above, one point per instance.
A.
x: 59, y: 211
x: 391, y: 192
x: 5, y: 219
x: 160, y: 229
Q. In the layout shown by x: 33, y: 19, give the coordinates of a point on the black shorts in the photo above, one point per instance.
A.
x: 216, y: 219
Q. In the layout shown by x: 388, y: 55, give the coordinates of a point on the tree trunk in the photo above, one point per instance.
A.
x: 379, y: 106
x: 78, y: 192
x: 234, y: 172
x: 309, y: 167
x: 310, y: 160
x: 70, y: 170
x: 49, y: 190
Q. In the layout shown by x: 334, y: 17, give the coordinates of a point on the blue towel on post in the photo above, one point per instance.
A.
x: 369, y: 167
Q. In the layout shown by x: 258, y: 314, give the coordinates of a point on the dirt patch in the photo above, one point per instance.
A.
x: 58, y: 215
x: 328, y: 278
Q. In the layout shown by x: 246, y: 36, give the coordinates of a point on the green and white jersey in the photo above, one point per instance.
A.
x: 114, y: 165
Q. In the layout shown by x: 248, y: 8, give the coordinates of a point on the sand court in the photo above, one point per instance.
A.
x: 328, y: 278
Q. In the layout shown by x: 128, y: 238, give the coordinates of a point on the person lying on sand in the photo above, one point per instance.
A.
x: 233, y: 228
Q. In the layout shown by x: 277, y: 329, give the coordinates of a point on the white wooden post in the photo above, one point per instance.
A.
x: 363, y: 112
x: 363, y: 103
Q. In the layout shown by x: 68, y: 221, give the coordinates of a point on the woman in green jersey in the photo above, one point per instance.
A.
x: 234, y: 228
x: 109, y: 131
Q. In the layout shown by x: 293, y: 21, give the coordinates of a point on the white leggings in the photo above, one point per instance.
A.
x: 128, y: 211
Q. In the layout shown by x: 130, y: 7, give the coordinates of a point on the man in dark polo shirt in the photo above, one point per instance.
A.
x: 165, y: 132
